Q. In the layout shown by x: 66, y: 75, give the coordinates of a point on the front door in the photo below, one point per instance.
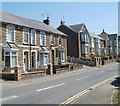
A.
x: 25, y: 61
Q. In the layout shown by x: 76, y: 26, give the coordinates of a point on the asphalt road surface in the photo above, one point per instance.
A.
x: 58, y: 89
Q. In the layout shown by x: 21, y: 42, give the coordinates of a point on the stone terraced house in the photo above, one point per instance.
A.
x: 30, y: 44
x: 77, y: 40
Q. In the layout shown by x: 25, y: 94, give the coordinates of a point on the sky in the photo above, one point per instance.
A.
x: 96, y: 15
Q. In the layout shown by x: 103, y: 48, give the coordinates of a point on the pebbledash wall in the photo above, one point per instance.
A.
x: 19, y: 38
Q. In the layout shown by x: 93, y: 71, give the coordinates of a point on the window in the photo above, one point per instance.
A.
x: 43, y: 38
x: 7, y: 59
x: 61, y: 56
x: 59, y: 40
x: 98, y: 50
x: 10, y: 59
x: 83, y: 49
x: 10, y: 34
x: 82, y: 37
x: 33, y: 60
x: 86, y: 49
x: 14, y: 59
x: 92, y: 50
x: 43, y: 58
x: 33, y: 37
x: 26, y: 36
x: 86, y: 37
x: 52, y: 39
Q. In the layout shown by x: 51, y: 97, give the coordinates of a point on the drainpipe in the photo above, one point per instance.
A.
x: 30, y: 51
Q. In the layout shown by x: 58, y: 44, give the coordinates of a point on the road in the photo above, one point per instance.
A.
x: 58, y: 89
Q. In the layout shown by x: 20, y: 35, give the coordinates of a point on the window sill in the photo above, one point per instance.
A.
x: 25, y: 43
x: 33, y: 44
x: 51, y: 44
x: 10, y: 41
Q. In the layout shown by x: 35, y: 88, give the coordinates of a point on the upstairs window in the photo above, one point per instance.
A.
x: 52, y: 39
x: 82, y: 37
x: 33, y: 33
x: 59, y: 40
x: 26, y: 36
x: 10, y: 34
x: 43, y: 38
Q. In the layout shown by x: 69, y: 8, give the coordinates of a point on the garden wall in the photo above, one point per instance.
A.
x: 81, y: 61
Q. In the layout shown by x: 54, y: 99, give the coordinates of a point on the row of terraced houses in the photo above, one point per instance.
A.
x: 33, y: 45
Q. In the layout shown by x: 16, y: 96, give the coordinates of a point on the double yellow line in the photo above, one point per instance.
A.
x: 68, y: 101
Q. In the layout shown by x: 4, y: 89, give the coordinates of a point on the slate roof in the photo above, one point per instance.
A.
x: 76, y: 27
x: 104, y: 35
x: 10, y: 45
x: 44, y: 49
x: 17, y: 20
x: 112, y: 36
x: 95, y: 36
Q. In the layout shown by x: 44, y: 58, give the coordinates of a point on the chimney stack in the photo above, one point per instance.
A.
x: 47, y: 21
x: 61, y: 22
x: 103, y: 30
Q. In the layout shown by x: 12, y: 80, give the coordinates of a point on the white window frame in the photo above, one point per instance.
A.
x: 12, y: 35
x: 42, y: 38
x: 43, y: 54
x: 60, y: 38
x: 35, y: 58
x: 35, y: 37
x: 61, y: 56
x: 11, y: 65
x: 25, y: 31
x: 86, y: 50
x: 83, y: 37
x: 52, y: 39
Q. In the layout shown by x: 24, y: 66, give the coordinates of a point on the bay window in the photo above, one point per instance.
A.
x: 43, y: 38
x: 10, y: 34
x: 43, y: 58
x: 10, y: 59
x: 61, y: 56
x: 86, y: 49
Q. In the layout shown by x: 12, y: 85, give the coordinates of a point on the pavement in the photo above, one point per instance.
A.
x: 57, y: 88
x: 103, y: 94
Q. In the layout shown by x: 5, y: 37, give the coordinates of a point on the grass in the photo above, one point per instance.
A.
x: 116, y: 97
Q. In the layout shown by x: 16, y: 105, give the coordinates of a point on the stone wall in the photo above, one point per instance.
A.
x: 81, y: 61
x: 32, y: 75
x: 15, y: 74
x: 69, y: 67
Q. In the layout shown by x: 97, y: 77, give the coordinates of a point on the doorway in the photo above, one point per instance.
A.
x: 25, y: 61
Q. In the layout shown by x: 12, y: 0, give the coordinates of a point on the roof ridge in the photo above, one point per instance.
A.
x: 77, y: 24
x: 22, y: 17
x: 29, y: 23
x: 69, y: 27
